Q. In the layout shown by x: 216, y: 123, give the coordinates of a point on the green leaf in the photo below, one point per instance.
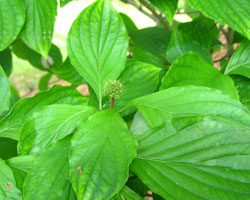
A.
x: 189, y: 101
x: 97, y: 45
x: 239, y: 63
x: 147, y: 57
x: 152, y: 39
x: 139, y: 124
x: 22, y: 51
x: 12, y: 19
x: 8, y: 189
x: 8, y: 148
x: 44, y: 82
x: 67, y: 72
x: 101, y: 150
x: 181, y: 43
x: 191, y: 69
x: 39, y: 26
x: 6, y: 61
x: 127, y: 194
x: 51, y: 167
x: 208, y: 160
x: 138, y: 79
x: 201, y: 29
x: 49, y: 124
x: 64, y: 2
x: 130, y: 25
x: 11, y: 125
x: 5, y: 92
x: 235, y: 13
x: 20, y: 166
x: 243, y: 86
x: 167, y: 7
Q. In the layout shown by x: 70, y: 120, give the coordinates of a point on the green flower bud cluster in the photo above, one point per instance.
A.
x: 113, y: 89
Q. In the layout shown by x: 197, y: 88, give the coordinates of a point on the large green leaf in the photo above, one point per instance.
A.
x: 21, y: 50
x: 139, y: 124
x: 152, y: 39
x: 8, y: 189
x: 50, y: 124
x: 6, y: 61
x: 67, y: 72
x: 208, y: 160
x: 191, y: 69
x: 243, y: 86
x: 189, y: 101
x: 97, y: 45
x: 235, y: 13
x: 181, y: 43
x: 11, y: 125
x: 239, y: 63
x: 101, y: 150
x: 39, y: 25
x: 12, y: 19
x: 168, y: 7
x: 49, y: 179
x: 138, y: 79
x: 5, y: 92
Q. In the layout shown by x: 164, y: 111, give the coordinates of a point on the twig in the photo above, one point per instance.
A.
x: 158, y: 18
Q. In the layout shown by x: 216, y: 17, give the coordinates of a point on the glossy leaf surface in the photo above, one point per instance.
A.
x: 191, y: 69
x: 98, y: 51
x: 189, y: 101
x: 101, y: 150
x: 49, y: 124
x: 208, y: 160
x: 11, y: 125
x: 5, y: 92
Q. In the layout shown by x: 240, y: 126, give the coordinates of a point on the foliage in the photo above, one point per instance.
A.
x: 160, y: 120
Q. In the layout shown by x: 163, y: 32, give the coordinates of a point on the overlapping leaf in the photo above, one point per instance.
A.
x: 49, y: 124
x: 152, y: 39
x: 11, y: 125
x: 51, y: 167
x: 191, y: 69
x: 8, y: 189
x: 189, y: 101
x: 239, y: 63
x: 167, y: 7
x: 235, y: 13
x: 181, y: 43
x: 208, y: 160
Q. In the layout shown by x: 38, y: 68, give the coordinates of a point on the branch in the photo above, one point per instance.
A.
x: 158, y: 18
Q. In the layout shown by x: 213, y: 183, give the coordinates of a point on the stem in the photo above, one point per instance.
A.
x: 112, y: 103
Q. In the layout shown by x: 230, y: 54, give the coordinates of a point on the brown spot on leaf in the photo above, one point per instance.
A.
x: 9, y: 186
x: 79, y: 169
